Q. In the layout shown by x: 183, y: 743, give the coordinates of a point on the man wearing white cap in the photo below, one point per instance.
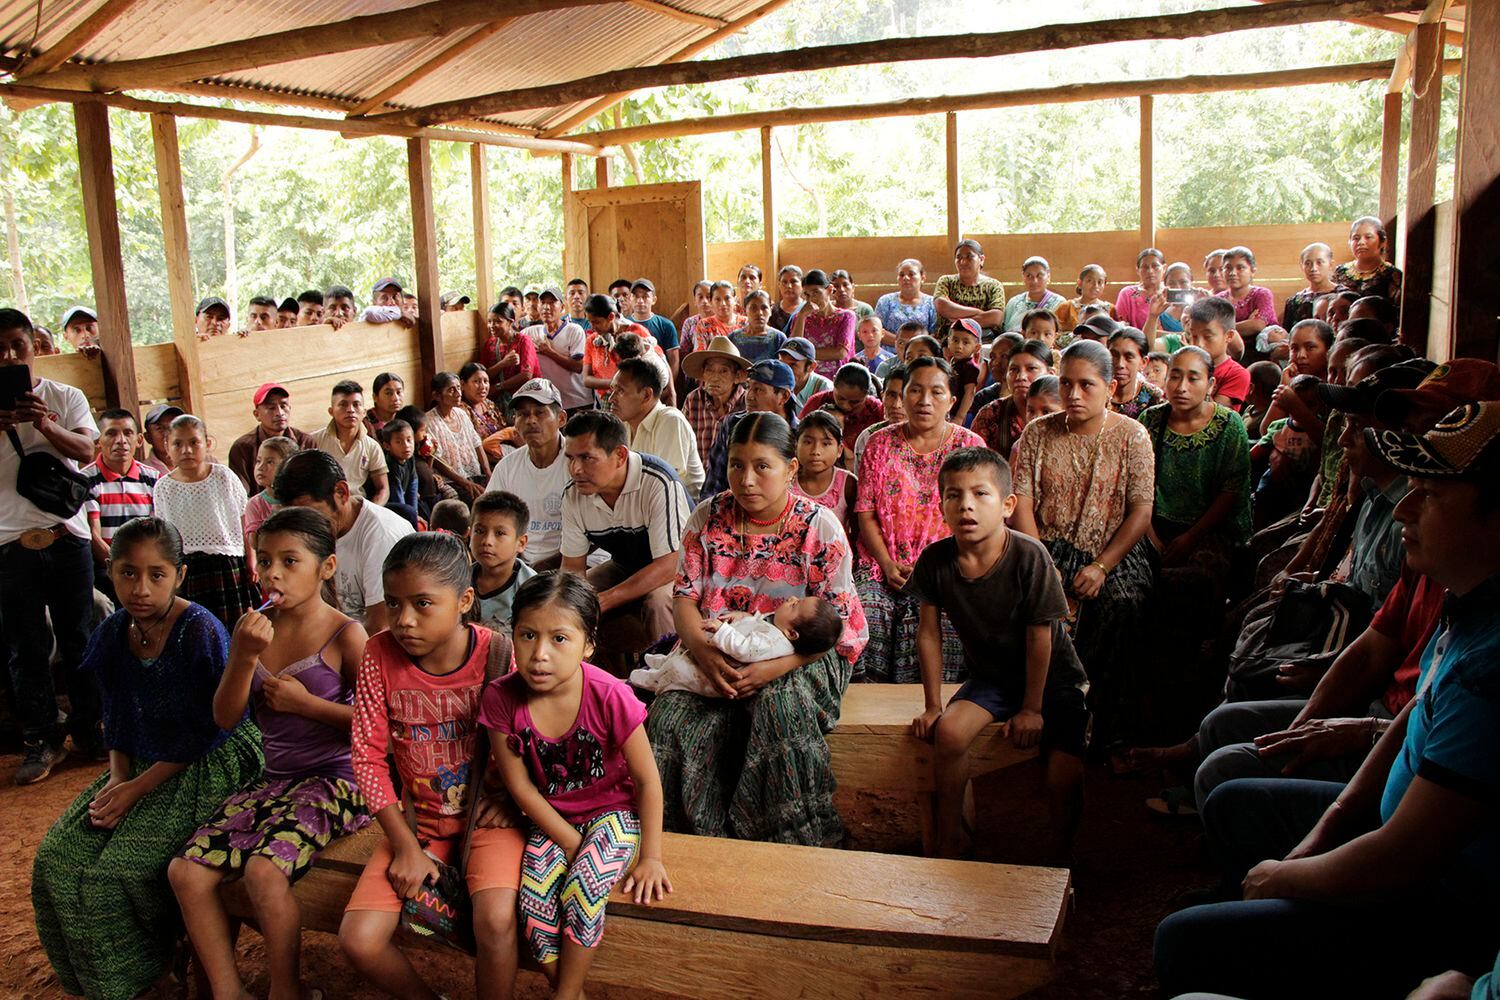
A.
x: 560, y: 346
x: 537, y: 473
x: 80, y: 326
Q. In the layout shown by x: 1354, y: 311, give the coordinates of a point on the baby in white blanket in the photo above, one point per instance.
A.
x: 806, y: 625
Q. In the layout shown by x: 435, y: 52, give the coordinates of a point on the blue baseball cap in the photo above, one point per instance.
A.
x: 773, y: 373
x: 800, y: 348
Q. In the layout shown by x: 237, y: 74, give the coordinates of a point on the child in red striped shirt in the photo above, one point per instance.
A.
x: 418, y: 695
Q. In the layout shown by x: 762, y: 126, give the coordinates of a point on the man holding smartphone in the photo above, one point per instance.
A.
x: 45, y: 561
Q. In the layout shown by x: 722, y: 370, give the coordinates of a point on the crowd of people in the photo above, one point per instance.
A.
x: 627, y: 564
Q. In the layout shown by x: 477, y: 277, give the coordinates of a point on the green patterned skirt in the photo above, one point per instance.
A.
x: 104, y: 910
x: 757, y: 768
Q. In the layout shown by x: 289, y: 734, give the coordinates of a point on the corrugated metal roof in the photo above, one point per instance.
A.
x: 536, y: 49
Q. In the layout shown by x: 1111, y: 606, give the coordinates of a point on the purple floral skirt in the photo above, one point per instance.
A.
x: 287, y: 821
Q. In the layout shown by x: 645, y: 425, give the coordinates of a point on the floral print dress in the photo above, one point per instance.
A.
x: 898, y: 485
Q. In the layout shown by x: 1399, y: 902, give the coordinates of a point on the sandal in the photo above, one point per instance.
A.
x: 1175, y: 802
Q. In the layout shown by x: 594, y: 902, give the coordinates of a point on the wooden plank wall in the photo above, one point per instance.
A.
x: 872, y: 260
x: 307, y: 360
x: 155, y: 372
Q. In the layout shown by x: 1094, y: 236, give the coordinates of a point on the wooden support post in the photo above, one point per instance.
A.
x: 604, y: 173
x: 1390, y: 163
x: 484, y: 261
x: 96, y: 172
x: 174, y: 233
x: 575, y: 227
x: 1148, y: 172
x: 1476, y: 194
x: 768, y: 207
x: 1419, y: 224
x: 955, y: 216
x: 424, y: 250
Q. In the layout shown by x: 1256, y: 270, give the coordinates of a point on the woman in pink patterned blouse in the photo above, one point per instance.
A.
x: 1254, y: 305
x: 898, y: 517
x: 1134, y: 301
x: 830, y: 329
x: 750, y: 549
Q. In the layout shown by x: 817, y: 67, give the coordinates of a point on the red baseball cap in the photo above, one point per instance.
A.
x: 267, y: 389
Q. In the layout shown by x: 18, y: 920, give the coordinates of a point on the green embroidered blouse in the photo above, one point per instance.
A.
x: 1193, y: 469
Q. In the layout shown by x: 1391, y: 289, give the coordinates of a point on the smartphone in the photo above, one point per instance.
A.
x: 1179, y: 296
x: 15, y: 380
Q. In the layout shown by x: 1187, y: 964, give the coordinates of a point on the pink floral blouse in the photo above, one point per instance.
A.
x: 724, y: 570
x: 900, y: 486
x: 835, y: 498
x: 1257, y: 302
x: 836, y: 330
x: 1133, y: 305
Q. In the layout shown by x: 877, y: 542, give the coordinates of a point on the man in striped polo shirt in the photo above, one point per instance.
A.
x: 119, y: 487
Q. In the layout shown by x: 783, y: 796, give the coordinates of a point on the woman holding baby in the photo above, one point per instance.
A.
x: 749, y: 550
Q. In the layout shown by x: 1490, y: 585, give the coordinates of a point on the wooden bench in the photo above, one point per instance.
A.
x: 754, y: 920
x: 873, y: 748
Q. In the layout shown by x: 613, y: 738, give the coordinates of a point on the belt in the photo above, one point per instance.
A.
x: 38, y: 539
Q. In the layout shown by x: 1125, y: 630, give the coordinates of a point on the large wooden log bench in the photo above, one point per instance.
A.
x: 873, y: 748
x: 760, y: 920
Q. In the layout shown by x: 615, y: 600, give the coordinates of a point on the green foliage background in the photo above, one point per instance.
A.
x: 311, y: 209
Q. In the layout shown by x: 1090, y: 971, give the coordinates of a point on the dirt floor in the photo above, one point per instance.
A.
x: 1130, y: 867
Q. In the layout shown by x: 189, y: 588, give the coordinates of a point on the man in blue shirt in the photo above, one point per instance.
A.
x: 1399, y: 875
x: 642, y: 300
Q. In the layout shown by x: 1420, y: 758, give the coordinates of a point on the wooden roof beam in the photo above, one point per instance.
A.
x: 423, y: 70
x: 569, y: 119
x: 1067, y: 94
x: 1192, y: 24
x: 1451, y: 36
x: 73, y: 42
x: 349, y: 127
x: 691, y: 17
x: 368, y: 31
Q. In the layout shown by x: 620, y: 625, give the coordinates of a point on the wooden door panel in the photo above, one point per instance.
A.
x: 650, y: 231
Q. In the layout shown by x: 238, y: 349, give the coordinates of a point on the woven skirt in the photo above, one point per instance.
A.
x: 890, y: 655
x: 105, y: 912
x: 221, y: 584
x: 1108, y: 632
x: 755, y: 768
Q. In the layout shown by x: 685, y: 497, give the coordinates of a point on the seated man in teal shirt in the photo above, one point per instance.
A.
x: 1399, y: 876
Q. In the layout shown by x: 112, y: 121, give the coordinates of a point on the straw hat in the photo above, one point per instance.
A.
x: 719, y: 347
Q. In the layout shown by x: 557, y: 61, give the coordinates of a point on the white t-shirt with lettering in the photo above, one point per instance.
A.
x: 362, y: 551
x: 542, y: 489
x: 17, y: 515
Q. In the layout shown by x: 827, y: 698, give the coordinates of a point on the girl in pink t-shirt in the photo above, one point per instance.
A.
x: 572, y: 749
